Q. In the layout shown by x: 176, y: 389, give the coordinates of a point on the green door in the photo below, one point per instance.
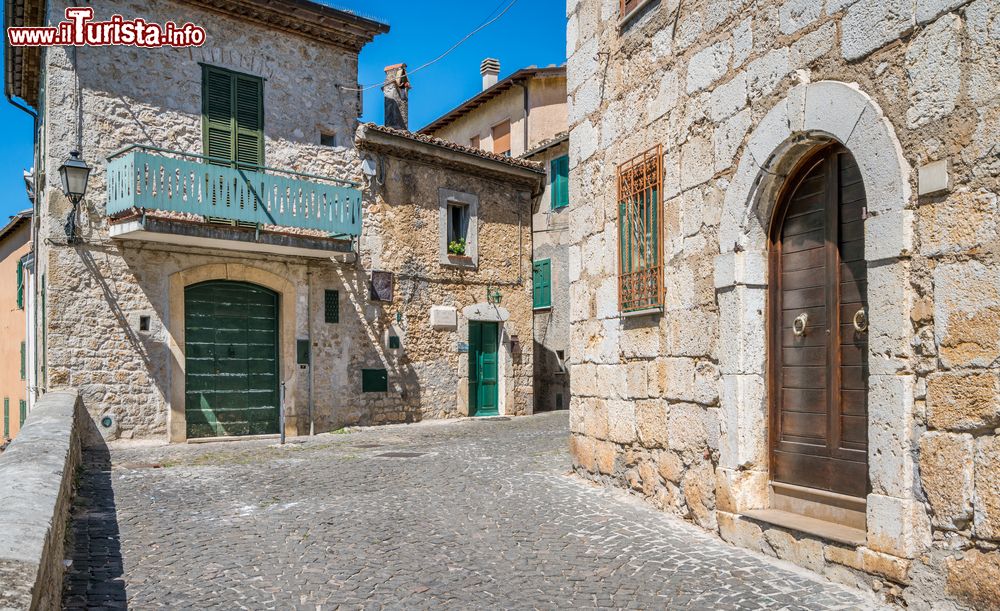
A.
x: 231, y: 356
x: 483, y: 340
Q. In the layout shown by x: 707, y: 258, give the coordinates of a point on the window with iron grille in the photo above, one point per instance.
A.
x: 332, y: 302
x: 628, y: 7
x: 640, y: 243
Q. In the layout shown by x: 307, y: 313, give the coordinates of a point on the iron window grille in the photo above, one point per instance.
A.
x: 640, y: 240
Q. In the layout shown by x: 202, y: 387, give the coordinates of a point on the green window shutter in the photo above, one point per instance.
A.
x: 217, y: 113
x: 233, y: 116
x: 20, y: 285
x: 541, y: 284
x: 560, y: 182
x: 23, y: 409
x: 374, y: 380
x: 6, y: 418
x: 332, y: 302
x: 23, y: 363
x: 249, y: 102
x: 554, y: 182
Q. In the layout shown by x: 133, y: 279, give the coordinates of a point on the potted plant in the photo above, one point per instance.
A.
x: 456, y: 251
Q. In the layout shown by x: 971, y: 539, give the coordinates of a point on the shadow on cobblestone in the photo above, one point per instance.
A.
x: 95, y: 579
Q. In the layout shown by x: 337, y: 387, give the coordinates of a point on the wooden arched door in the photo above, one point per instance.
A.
x: 818, y: 328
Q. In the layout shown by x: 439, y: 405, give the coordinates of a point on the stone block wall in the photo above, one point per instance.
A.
x: 674, y: 406
x: 403, y: 236
x: 551, y: 240
x: 36, y: 490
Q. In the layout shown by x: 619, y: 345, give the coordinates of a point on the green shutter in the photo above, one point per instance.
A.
x: 217, y: 113
x: 20, y: 285
x: 249, y: 120
x: 541, y: 284
x: 332, y: 302
x: 233, y: 116
x: 23, y: 409
x: 23, y: 367
x: 6, y: 418
x: 560, y: 182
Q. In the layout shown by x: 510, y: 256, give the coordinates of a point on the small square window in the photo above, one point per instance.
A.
x: 144, y: 322
x: 374, y: 380
x: 393, y: 342
x: 326, y: 139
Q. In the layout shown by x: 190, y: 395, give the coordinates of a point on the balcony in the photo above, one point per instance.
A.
x: 181, y: 198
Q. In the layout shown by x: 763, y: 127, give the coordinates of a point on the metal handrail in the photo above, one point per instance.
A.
x: 230, y: 162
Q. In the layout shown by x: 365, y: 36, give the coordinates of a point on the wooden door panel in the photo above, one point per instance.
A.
x: 804, y: 377
x: 819, y: 378
x: 809, y: 259
x: 803, y: 400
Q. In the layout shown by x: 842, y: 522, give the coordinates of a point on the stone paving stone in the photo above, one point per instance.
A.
x: 488, y: 516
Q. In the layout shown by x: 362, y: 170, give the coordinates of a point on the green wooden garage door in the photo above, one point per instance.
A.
x: 231, y: 350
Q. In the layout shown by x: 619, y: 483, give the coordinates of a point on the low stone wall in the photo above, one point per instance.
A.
x: 36, y: 488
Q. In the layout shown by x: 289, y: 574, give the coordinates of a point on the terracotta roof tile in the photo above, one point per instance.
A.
x: 511, y: 161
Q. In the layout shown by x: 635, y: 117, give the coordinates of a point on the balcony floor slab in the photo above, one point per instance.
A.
x: 204, y: 235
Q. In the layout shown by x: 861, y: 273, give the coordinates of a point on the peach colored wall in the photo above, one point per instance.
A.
x: 547, y: 99
x: 12, y: 324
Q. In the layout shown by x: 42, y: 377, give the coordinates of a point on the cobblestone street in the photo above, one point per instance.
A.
x: 470, y: 514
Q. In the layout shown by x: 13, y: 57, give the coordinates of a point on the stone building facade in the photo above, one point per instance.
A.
x: 530, y: 107
x: 683, y: 386
x: 150, y: 297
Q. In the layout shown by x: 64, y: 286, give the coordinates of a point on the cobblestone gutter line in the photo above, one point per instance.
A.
x: 36, y: 488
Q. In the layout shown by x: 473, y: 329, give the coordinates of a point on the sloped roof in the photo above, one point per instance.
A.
x: 426, y: 139
x: 488, y: 94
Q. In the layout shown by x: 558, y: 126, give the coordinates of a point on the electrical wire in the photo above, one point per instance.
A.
x: 482, y: 26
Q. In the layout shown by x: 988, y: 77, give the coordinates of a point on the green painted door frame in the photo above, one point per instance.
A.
x: 231, y: 359
x: 484, y: 340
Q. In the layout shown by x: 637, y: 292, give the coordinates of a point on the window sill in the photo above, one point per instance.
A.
x: 464, y: 261
x: 644, y: 312
x: 547, y: 308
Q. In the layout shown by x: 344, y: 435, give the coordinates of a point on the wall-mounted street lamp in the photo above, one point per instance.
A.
x: 493, y: 295
x: 74, y: 173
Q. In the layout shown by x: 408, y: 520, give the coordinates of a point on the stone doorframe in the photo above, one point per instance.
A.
x: 486, y: 312
x: 813, y: 114
x: 237, y: 272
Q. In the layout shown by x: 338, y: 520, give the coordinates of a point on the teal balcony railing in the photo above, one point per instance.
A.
x: 148, y: 178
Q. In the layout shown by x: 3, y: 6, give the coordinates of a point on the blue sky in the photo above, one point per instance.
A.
x: 532, y: 32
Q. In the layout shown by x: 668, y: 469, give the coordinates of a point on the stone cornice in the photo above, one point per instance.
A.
x: 309, y: 19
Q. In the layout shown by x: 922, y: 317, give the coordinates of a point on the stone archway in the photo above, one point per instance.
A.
x: 178, y: 281
x: 810, y: 115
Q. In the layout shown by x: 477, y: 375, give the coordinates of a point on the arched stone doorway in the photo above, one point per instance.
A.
x: 285, y: 294
x: 814, y: 115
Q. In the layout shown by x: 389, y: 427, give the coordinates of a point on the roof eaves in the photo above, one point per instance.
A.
x: 488, y: 94
x: 15, y: 222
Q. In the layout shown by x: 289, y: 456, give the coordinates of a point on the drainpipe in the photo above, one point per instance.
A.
x: 527, y: 115
x: 312, y: 357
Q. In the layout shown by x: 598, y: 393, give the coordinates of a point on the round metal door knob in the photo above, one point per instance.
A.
x: 799, y: 324
x: 861, y: 321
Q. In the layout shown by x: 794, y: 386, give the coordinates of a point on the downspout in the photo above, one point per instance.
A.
x: 527, y: 115
x: 312, y: 357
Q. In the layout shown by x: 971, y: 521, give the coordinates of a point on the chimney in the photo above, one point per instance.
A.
x: 396, y: 91
x: 490, y: 69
